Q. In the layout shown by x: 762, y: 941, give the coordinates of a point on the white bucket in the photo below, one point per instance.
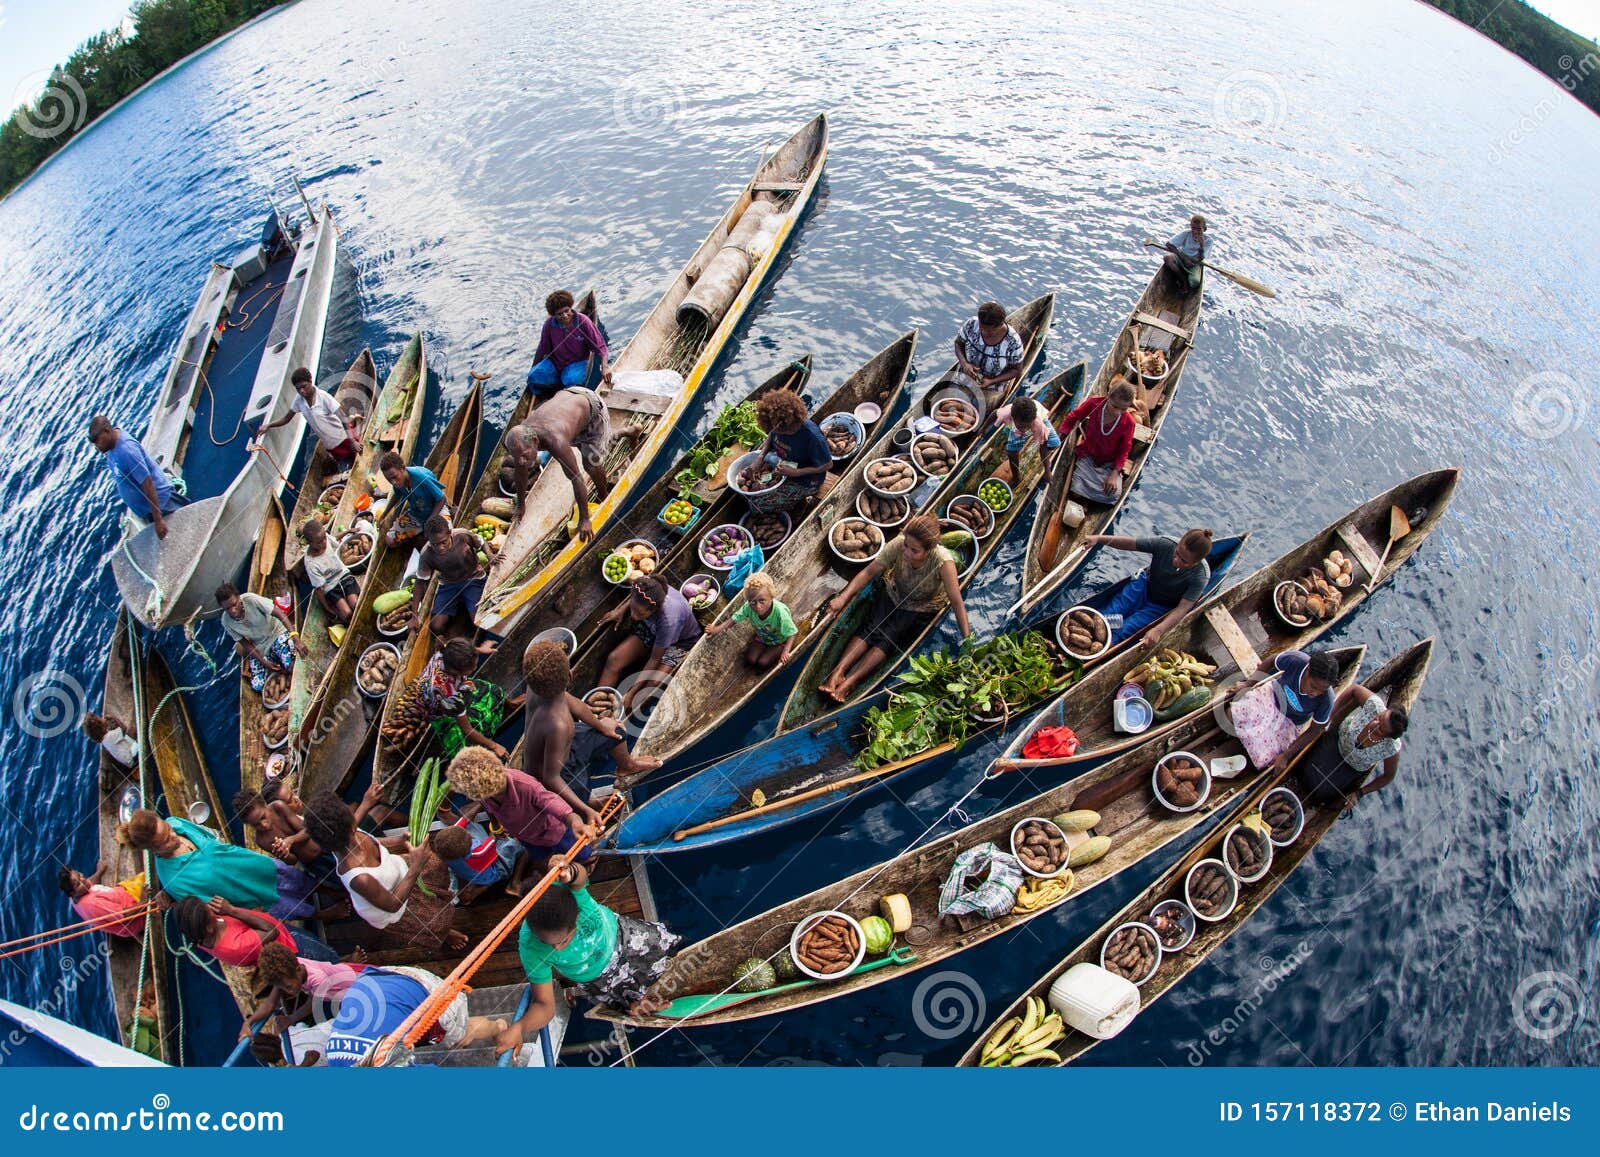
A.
x: 1094, y: 1001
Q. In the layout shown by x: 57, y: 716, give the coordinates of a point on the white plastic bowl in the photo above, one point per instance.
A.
x: 977, y: 503
x: 1061, y: 640
x: 1264, y: 842
x: 788, y: 526
x: 866, y: 476
x: 278, y: 746
x: 850, y: 423
x: 1186, y: 919
x: 739, y: 464
x: 1278, y: 610
x: 1205, y: 782
x: 1155, y: 964
x: 945, y: 527
x: 623, y: 549
x: 1299, y: 816
x: 562, y: 635
x: 372, y: 541
x: 1016, y: 830
x: 393, y: 650
x: 715, y: 591
x: 932, y: 438
x: 861, y: 509
x: 868, y: 412
x: 833, y: 542
x: 613, y: 690
x: 733, y: 526
x: 1233, y: 887
x: 806, y: 925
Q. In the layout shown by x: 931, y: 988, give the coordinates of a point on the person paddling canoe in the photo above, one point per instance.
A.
x: 1184, y: 263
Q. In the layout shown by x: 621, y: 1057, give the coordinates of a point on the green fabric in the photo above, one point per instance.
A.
x: 240, y: 876
x: 486, y: 708
x: 772, y: 630
x: 586, y: 957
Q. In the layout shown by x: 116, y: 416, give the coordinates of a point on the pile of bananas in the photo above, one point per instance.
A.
x: 1169, y: 673
x: 1039, y: 893
x: 1022, y: 1040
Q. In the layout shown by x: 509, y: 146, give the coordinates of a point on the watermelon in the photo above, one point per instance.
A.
x: 878, y: 934
x: 754, y: 975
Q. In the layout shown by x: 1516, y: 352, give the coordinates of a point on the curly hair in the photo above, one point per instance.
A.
x: 923, y: 530
x: 780, y: 409
x: 475, y: 773
x: 451, y: 843
x: 329, y: 821
x: 761, y: 581
x: 557, y: 301
x: 244, y: 800
x: 140, y: 830
x: 547, y: 670
x: 277, y: 964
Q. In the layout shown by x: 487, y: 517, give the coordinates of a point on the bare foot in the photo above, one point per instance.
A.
x: 638, y: 765
x: 834, y: 693
x: 455, y: 939
x: 645, y: 1006
x: 336, y: 912
x: 359, y: 956
x: 468, y: 894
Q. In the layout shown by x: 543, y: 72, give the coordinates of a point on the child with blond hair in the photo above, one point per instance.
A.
x: 775, y: 632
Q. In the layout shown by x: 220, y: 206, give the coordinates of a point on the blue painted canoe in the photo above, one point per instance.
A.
x: 803, y: 761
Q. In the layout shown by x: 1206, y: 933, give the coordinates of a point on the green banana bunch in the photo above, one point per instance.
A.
x: 1025, y: 1040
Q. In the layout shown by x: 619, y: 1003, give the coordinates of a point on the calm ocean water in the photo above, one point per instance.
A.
x: 1420, y: 199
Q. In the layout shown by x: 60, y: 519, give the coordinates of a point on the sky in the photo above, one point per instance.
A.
x: 36, y: 34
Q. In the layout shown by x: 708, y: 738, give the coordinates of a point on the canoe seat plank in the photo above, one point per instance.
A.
x: 777, y: 186
x: 1143, y: 435
x: 1356, y: 543
x: 639, y: 401
x: 1166, y: 323
x: 1233, y: 639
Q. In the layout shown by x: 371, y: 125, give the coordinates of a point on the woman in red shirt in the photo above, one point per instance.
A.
x: 236, y: 935
x: 1104, y: 446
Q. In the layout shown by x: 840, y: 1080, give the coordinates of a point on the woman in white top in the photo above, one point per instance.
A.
x: 1369, y: 735
x: 383, y: 885
x: 337, y: 589
x: 114, y: 737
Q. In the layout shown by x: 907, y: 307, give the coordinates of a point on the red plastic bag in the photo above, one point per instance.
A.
x: 1051, y: 743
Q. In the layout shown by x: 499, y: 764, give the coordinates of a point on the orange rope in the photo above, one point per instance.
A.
x: 130, y: 914
x: 427, y: 1014
x: 91, y: 924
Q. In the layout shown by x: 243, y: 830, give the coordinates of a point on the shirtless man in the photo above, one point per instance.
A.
x: 452, y: 555
x: 562, y: 735
x: 573, y: 424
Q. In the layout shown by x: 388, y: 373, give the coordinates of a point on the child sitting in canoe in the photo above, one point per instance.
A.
x: 336, y: 588
x: 775, y: 632
x: 477, y: 860
x: 612, y: 959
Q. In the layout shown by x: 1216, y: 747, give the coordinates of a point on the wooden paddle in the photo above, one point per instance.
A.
x: 1399, y: 527
x: 1239, y: 279
x: 790, y: 801
x: 685, y: 1007
x: 271, y: 544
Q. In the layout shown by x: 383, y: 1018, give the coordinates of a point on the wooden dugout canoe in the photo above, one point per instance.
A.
x: 268, y: 573
x: 809, y: 760
x: 338, y: 729
x: 1056, y: 552
x: 714, y: 681
x: 356, y: 396
x: 123, y: 863
x: 406, y: 385
x: 1399, y: 681
x: 587, y: 598
x: 1136, y: 825
x: 1240, y: 629
x: 805, y: 703
x: 676, y: 336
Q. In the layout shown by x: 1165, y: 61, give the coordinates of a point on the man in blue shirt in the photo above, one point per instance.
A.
x: 415, y: 495
x: 1186, y: 256
x: 141, y: 484
x: 379, y: 1002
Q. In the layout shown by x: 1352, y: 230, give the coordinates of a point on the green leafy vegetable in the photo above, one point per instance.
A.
x: 735, y: 426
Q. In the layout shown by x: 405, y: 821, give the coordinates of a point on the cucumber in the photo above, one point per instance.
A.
x: 1191, y: 700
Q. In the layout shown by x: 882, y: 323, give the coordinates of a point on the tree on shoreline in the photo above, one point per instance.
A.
x: 107, y: 67
x: 1557, y: 51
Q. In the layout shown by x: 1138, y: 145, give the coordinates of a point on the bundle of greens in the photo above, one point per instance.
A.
x: 426, y: 799
x: 943, y: 696
x: 735, y: 426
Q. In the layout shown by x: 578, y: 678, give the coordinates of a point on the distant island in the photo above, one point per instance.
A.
x: 1558, y: 52
x: 109, y: 66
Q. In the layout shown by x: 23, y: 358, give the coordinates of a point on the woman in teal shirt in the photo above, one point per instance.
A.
x: 191, y: 860
x: 612, y: 959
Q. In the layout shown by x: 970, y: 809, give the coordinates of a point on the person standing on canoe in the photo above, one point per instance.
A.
x: 1184, y: 263
x: 575, y: 428
x: 989, y: 351
x: 265, y: 637
x: 566, y: 343
x: 145, y: 489
x: 545, y: 823
x: 452, y: 555
x: 796, y: 448
x: 919, y: 580
x: 415, y: 495
x: 1166, y: 590
x: 93, y: 900
x: 563, y: 735
x: 612, y: 959
x: 1104, y: 445
x: 335, y: 430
